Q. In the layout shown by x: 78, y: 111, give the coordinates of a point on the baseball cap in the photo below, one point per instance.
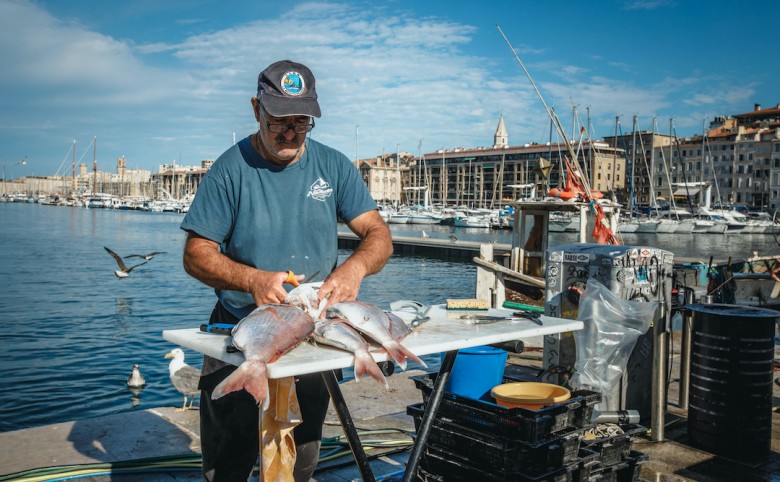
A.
x: 286, y: 88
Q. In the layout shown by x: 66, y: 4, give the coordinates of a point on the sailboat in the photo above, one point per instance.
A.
x: 422, y: 214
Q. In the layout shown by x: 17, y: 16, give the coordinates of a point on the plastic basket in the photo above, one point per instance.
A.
x: 627, y: 470
x: 503, y: 453
x: 613, y: 450
x: 518, y: 423
x: 452, y: 467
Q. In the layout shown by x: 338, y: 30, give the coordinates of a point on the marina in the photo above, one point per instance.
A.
x: 117, y: 323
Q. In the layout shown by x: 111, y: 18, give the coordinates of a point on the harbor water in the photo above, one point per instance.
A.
x: 72, y: 330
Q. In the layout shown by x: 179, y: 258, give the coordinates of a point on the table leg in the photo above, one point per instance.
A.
x: 429, y: 415
x: 349, y: 427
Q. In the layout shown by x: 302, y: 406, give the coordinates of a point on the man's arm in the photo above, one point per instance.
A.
x: 204, y: 262
x: 375, y: 248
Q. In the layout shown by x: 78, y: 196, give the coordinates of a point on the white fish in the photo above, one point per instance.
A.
x: 264, y: 335
x: 338, y: 333
x: 371, y: 320
x: 306, y: 298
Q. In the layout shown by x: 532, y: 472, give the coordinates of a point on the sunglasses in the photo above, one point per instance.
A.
x: 277, y: 128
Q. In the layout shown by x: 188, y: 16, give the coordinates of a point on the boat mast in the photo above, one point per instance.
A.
x: 632, y: 199
x: 73, y: 170
x: 398, y: 175
x: 94, y: 165
x: 653, y: 200
x: 671, y: 166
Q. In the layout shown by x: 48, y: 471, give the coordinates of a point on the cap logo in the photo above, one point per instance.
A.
x: 292, y: 83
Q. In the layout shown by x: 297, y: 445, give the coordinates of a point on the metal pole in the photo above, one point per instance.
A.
x: 428, y: 417
x: 660, y: 349
x: 348, y: 425
x: 685, y: 351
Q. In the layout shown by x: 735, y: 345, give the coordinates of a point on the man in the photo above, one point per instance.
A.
x: 270, y: 204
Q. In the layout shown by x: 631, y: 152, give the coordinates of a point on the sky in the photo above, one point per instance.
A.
x: 171, y: 81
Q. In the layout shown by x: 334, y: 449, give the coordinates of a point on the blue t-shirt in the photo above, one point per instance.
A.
x: 277, y: 218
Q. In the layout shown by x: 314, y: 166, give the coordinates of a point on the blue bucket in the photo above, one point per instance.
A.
x: 476, y: 371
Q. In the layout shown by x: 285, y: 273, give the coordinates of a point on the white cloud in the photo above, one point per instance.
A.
x: 400, y: 77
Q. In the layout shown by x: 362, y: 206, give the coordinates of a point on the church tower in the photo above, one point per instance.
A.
x: 500, y: 138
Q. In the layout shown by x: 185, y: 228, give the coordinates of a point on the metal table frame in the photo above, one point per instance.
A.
x: 443, y: 333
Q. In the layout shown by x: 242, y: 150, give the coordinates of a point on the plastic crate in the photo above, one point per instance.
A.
x: 449, y: 467
x: 613, y: 450
x: 483, y: 448
x: 518, y: 423
x: 423, y: 475
x: 625, y: 471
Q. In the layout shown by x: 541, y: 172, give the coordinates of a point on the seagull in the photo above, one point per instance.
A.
x: 183, y: 377
x: 136, y: 380
x: 147, y: 257
x: 123, y: 270
x: 424, y: 235
x: 453, y: 238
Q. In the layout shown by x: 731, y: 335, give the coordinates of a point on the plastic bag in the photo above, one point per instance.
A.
x: 612, y: 326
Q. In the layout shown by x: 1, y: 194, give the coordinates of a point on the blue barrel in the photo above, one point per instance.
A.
x: 476, y: 371
x: 730, y: 389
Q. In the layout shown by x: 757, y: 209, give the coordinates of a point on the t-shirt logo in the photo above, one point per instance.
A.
x: 320, y: 190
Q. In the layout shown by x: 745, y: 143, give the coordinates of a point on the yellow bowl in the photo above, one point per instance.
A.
x: 532, y: 395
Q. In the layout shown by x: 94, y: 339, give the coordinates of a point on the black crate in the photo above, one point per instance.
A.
x: 506, y: 454
x: 423, y: 475
x: 613, y: 450
x: 626, y: 470
x: 518, y: 423
x: 449, y: 467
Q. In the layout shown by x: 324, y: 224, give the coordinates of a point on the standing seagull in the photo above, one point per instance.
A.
x: 424, y: 235
x: 123, y: 270
x: 453, y: 238
x: 183, y: 377
x: 136, y: 380
x: 147, y: 257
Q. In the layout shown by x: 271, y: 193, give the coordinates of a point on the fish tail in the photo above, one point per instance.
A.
x: 365, y: 365
x: 400, y: 353
x: 251, y: 377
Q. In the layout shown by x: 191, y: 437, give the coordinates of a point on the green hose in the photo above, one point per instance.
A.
x: 333, y: 448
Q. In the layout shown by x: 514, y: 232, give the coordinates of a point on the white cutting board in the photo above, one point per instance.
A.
x: 443, y: 332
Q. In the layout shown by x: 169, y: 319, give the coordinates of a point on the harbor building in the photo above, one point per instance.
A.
x: 739, y: 156
x: 172, y: 181
x: 383, y: 177
x: 491, y: 176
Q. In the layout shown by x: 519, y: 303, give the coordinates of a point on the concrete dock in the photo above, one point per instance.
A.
x: 164, y: 432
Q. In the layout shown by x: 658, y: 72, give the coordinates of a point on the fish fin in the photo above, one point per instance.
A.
x: 400, y: 353
x: 365, y: 365
x: 251, y: 377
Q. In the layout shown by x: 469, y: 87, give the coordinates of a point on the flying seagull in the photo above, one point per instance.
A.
x: 123, y: 270
x: 136, y: 380
x: 183, y: 377
x: 147, y: 257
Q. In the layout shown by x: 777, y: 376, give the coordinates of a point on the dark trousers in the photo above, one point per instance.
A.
x: 229, y: 433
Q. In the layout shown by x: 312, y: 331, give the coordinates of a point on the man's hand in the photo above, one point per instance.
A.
x: 369, y: 257
x: 342, y: 284
x: 268, y: 287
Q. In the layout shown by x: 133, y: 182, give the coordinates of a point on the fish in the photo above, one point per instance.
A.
x: 264, y: 335
x: 305, y: 297
x: 387, y: 329
x: 335, y: 332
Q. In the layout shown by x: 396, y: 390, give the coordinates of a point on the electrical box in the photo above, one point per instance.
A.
x: 634, y: 273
